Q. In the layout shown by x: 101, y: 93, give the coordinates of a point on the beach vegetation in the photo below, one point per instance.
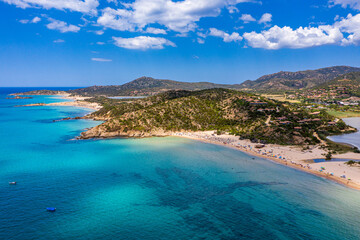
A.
x: 246, y: 115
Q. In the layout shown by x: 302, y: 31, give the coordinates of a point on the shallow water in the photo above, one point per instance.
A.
x: 154, y: 188
x: 352, y: 138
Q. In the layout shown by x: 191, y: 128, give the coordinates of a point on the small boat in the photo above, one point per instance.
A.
x: 51, y: 209
x: 12, y: 183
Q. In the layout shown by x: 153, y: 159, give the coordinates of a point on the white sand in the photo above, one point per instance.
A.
x: 291, y: 156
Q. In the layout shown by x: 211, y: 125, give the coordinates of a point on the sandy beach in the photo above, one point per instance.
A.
x: 77, y: 101
x: 291, y: 156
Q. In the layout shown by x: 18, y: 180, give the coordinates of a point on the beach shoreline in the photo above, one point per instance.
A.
x: 77, y: 101
x: 298, y: 163
x: 290, y: 156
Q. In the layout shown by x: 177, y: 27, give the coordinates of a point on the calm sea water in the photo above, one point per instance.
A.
x: 158, y: 188
x: 353, y: 138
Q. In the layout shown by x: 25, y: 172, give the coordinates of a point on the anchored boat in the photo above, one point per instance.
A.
x: 51, y: 209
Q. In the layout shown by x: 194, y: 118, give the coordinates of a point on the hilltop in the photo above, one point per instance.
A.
x: 297, y: 80
x: 146, y: 86
x: 244, y: 114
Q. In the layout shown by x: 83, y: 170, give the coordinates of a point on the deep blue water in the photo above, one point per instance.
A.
x: 155, y: 188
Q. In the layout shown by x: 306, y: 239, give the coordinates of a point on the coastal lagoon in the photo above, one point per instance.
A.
x: 153, y: 188
x: 352, y: 138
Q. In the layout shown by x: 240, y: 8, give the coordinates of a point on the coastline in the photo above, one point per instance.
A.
x: 296, y: 160
x: 77, y: 101
x: 290, y: 156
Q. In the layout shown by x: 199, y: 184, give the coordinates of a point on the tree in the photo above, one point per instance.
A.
x: 328, y: 156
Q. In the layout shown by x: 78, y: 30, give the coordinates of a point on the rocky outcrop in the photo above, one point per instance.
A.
x: 101, y: 131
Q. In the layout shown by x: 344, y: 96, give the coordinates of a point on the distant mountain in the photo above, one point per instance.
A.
x: 146, y: 86
x: 296, y: 80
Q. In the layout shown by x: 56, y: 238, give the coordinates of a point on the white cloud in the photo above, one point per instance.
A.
x: 200, y: 40
x: 351, y: 26
x: 35, y: 20
x: 100, y: 43
x: 155, y: 30
x: 265, y: 18
x: 61, y: 26
x: 113, y: 1
x: 101, y: 60
x: 58, y: 41
x: 246, y: 18
x: 179, y: 16
x: 225, y: 36
x: 24, y: 21
x: 142, y: 42
x: 86, y: 6
x: 286, y: 37
x: 232, y: 9
x: 355, y: 4
x: 345, y: 31
x: 99, y: 32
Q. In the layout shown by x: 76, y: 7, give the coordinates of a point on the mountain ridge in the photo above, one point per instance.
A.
x: 285, y: 80
x: 276, y: 82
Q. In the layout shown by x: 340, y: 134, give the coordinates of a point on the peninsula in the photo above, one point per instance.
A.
x: 290, y: 133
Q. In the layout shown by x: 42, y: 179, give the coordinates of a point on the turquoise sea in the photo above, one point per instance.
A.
x: 154, y: 188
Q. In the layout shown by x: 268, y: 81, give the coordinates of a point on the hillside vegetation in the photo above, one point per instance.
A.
x: 273, y: 83
x: 296, y: 80
x: 146, y: 86
x: 244, y: 114
x: 349, y: 82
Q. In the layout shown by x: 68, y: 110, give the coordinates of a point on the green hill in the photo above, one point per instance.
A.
x: 237, y: 112
x: 296, y: 80
x: 146, y: 86
x: 349, y: 83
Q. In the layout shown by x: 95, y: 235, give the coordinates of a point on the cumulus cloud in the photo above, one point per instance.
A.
x: 35, y: 20
x: 351, y: 26
x: 86, y: 6
x: 265, y: 18
x: 155, y: 30
x: 234, y: 37
x: 179, y: 16
x: 355, y: 4
x: 101, y: 59
x: 61, y: 26
x: 142, y: 42
x: 246, y: 18
x: 303, y: 37
x: 286, y: 37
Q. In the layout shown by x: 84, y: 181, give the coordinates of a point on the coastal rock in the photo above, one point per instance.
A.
x: 101, y: 131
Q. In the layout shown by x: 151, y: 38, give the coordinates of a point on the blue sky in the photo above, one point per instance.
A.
x: 104, y: 42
